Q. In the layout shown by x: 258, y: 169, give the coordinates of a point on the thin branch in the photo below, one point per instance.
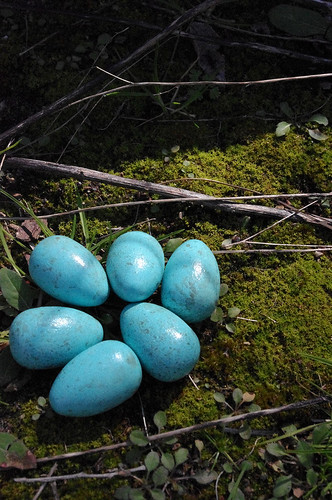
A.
x: 172, y: 200
x: 41, y: 489
x: 197, y: 84
x: 81, y: 475
x: 274, y: 250
x: 193, y: 428
x: 165, y: 191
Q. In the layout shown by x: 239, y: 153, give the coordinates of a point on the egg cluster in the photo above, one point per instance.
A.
x: 98, y: 374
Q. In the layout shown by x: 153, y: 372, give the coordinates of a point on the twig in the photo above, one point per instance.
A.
x: 199, y: 83
x: 274, y: 250
x: 197, y: 427
x: 41, y: 489
x: 165, y: 191
x: 161, y: 201
x: 80, y: 475
x: 245, y: 240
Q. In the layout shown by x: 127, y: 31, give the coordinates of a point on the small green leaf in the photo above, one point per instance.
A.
x: 235, y: 492
x: 219, y: 397
x: 276, y: 450
x: 151, y: 461
x: 318, y: 118
x: 181, y: 455
x: 157, y: 495
x: 228, y: 468
x: 286, y: 109
x: 317, y: 135
x: 205, y: 476
x: 282, y: 128
x: 245, y: 431
x: 138, y: 437
x: 312, y: 477
x: 305, y: 453
x: 160, y: 419
x: 217, y: 316
x: 160, y: 476
x: 41, y: 401
x: 122, y: 493
x: 230, y: 327
x: 233, y: 312
x: 6, y: 439
x: 173, y: 244
x: 170, y: 441
x: 223, y: 289
x: 135, y: 494
x: 254, y: 407
x: 167, y: 460
x: 282, y: 486
x: 321, y: 433
x: 15, y: 290
x: 237, y: 396
x: 227, y: 242
x: 199, y: 445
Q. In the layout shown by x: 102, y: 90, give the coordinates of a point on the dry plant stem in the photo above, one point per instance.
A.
x: 177, y: 200
x: 165, y: 191
x: 41, y: 489
x: 273, y: 250
x: 193, y: 84
x: 81, y: 475
x: 143, y: 49
x: 197, y: 427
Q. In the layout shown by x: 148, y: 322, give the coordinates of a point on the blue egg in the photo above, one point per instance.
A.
x: 97, y: 380
x: 191, y: 282
x: 69, y: 272
x: 165, y: 345
x: 135, y: 266
x: 49, y: 337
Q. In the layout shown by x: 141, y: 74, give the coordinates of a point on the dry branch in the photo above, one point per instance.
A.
x: 162, y: 190
x: 193, y: 428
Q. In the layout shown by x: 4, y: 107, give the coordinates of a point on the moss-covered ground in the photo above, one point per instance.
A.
x: 228, y: 137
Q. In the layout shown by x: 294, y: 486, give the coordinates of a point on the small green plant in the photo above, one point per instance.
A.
x: 222, y: 317
x: 309, y: 124
x: 169, y: 468
x: 307, y: 451
x: 41, y: 407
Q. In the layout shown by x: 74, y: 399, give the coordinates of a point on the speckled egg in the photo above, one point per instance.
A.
x: 49, y: 337
x: 165, y: 345
x: 69, y: 272
x: 191, y: 282
x: 135, y: 266
x: 97, y: 380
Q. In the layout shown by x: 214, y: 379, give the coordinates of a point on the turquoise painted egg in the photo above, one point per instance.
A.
x: 49, y: 337
x: 166, y: 346
x: 191, y: 282
x: 96, y: 380
x: 135, y: 266
x: 69, y: 272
